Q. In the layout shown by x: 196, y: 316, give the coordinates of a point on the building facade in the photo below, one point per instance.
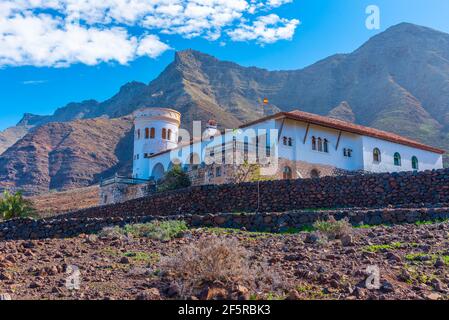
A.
x: 286, y: 145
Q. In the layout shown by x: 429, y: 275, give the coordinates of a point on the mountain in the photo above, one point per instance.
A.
x: 397, y: 81
x: 9, y: 136
x: 342, y: 112
x: 63, y: 155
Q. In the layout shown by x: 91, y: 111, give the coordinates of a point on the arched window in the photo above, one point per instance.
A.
x: 138, y: 133
x: 147, y: 133
x: 326, y: 146
x: 376, y: 155
x: 314, y: 174
x: 320, y: 144
x: 169, y: 134
x: 164, y: 133
x: 287, y: 173
x: 285, y: 141
x: 415, y: 163
x: 152, y: 133
x: 397, y: 159
x: 290, y: 142
x: 313, y: 143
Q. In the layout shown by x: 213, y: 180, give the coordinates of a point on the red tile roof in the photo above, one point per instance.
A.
x: 333, y: 124
x: 358, y: 129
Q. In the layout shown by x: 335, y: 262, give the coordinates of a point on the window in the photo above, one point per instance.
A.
x: 313, y: 143
x: 164, y: 133
x: 218, y: 171
x: 376, y: 155
x: 347, y: 152
x: 284, y: 140
x: 138, y: 133
x: 320, y: 144
x: 290, y: 142
x: 169, y: 134
x: 287, y: 173
x: 397, y: 159
x: 326, y: 146
x: 415, y: 164
x: 147, y: 133
x: 152, y: 133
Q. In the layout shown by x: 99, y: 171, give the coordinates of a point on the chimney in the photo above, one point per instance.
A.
x: 211, y: 127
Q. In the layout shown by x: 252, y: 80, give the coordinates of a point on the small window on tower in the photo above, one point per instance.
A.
x: 164, y: 133
x: 313, y: 143
x: 152, y: 133
x: 138, y: 133
x: 169, y: 135
x: 147, y: 133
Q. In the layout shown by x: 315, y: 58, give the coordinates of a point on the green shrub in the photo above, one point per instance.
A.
x: 174, y: 179
x: 332, y: 228
x: 15, y: 206
x: 158, y: 230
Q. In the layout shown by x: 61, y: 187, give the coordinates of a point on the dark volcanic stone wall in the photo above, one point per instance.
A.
x: 373, y: 190
x: 61, y: 227
x: 380, y: 198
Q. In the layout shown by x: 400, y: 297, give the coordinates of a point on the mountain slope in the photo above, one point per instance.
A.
x: 58, y: 156
x: 397, y: 81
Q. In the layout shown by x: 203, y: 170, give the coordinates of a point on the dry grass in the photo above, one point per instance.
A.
x: 217, y: 261
x: 53, y: 203
x: 333, y: 229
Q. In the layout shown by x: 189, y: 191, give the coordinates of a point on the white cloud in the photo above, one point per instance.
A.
x: 265, y: 29
x: 34, y: 82
x: 63, y: 32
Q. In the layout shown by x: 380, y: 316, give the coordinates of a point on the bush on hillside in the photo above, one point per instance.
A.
x: 158, y: 230
x: 174, y: 179
x: 14, y: 205
x: 332, y: 228
x: 215, y: 261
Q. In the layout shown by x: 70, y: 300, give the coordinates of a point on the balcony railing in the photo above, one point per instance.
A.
x: 123, y: 180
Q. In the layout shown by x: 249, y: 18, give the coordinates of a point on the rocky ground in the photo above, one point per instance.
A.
x: 413, y: 262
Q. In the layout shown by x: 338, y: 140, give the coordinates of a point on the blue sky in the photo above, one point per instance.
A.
x: 32, y: 81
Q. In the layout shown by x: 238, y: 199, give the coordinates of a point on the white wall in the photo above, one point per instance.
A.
x: 427, y: 160
x: 361, y: 146
x: 304, y: 152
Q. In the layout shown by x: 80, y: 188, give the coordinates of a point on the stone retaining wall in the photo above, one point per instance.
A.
x: 203, y: 205
x: 274, y: 222
x: 373, y: 190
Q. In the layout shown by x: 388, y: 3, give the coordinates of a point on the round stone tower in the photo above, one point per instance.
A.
x: 155, y: 130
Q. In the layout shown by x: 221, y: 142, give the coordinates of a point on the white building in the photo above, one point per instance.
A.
x: 300, y: 145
